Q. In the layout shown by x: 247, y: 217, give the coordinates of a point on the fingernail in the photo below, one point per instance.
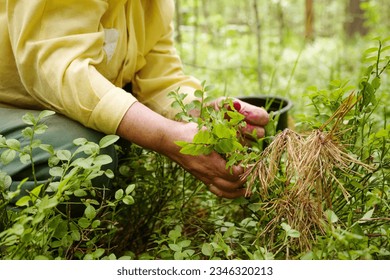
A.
x: 237, y: 105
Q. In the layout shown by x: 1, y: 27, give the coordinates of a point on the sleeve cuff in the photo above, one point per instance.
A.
x: 110, y: 110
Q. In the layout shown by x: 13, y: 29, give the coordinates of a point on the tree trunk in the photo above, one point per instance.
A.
x: 196, y: 32
x: 258, y: 42
x: 206, y: 15
x: 282, y: 26
x: 355, y: 19
x: 309, y: 23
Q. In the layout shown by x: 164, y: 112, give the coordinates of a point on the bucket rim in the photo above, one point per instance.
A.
x: 288, y: 104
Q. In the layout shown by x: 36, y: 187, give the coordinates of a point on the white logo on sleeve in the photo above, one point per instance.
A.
x: 111, y: 37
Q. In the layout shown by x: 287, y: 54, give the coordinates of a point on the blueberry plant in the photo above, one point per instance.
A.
x: 320, y: 189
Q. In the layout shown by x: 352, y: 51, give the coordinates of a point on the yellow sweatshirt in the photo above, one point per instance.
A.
x: 75, y: 56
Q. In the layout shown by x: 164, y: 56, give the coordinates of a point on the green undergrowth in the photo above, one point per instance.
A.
x: 156, y: 210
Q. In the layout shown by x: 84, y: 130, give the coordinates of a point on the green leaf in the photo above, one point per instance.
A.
x: 196, y: 104
x: 202, y: 137
x: 371, y: 50
x: 357, y: 185
x: 225, y: 146
x: 221, y: 131
x: 189, y: 149
x: 5, y: 181
x: 382, y: 133
x: 80, y: 193
x: 128, y: 200
x: 184, y: 243
x: 90, y: 212
x: 367, y: 216
x: 29, y: 119
x: 64, y: 155
x: 13, y: 144
x: 109, y: 173
x: 102, y: 160
x: 25, y: 158
x: 83, y: 222
x: 40, y: 129
x: 108, y: 140
x: 178, y: 256
x: 7, y: 156
x: 76, y: 235
x: 40, y: 258
x: 208, y: 88
x: 181, y: 143
x: 47, y: 203
x: 188, y: 253
x: 47, y: 148
x: 84, y: 163
x: 175, y: 247
x: 119, y: 194
x: 376, y: 83
x: 331, y: 216
x: 176, y: 105
x: 98, y: 253
x: 289, y: 231
x: 293, y: 233
x: 38, y: 218
x: 207, y: 249
x: 35, y: 192
x: 286, y: 227
x: 45, y: 113
x: 27, y: 133
x: 96, y: 223
x: 35, y: 143
x: 130, y: 188
x: 235, y: 117
x: 56, y: 171
x: 52, y: 202
x: 23, y: 201
x: 174, y: 234
x: 80, y: 141
x: 199, y: 93
x: 17, y: 229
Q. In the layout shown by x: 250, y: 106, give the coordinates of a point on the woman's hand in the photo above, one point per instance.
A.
x: 210, y: 169
x: 152, y: 131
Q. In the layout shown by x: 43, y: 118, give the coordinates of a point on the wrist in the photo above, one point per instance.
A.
x: 176, y: 131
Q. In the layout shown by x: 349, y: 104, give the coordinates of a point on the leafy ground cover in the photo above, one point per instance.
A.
x: 158, y: 211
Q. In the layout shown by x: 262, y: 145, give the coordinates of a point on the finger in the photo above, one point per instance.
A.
x: 231, y: 174
x: 232, y: 194
x: 253, y: 114
x: 226, y: 185
x: 253, y: 131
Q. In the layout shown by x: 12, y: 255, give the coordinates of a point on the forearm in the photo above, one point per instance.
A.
x: 146, y: 128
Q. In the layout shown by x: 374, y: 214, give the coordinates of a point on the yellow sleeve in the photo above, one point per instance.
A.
x: 57, y: 45
x: 163, y: 73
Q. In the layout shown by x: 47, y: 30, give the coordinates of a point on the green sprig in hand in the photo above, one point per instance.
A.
x: 221, y: 127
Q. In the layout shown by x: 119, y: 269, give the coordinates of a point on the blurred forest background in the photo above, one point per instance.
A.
x: 277, y: 47
x: 314, y: 52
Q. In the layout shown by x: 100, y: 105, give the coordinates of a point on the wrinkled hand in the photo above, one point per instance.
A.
x: 210, y: 169
x: 142, y: 126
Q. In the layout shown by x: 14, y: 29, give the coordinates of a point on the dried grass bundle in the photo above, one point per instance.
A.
x: 309, y: 165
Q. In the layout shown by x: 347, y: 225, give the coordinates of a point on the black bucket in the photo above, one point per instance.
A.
x: 278, y: 105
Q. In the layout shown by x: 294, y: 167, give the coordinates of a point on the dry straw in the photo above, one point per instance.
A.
x: 310, y: 165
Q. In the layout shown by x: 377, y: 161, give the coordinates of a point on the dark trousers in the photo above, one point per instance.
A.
x: 60, y: 134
